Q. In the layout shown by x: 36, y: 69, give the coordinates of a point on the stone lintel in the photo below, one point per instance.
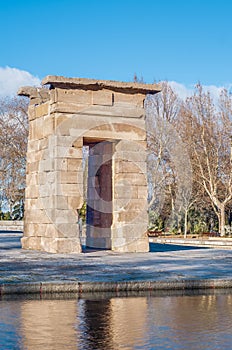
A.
x: 94, y: 84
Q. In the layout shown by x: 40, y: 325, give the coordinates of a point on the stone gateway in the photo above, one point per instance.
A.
x: 68, y: 116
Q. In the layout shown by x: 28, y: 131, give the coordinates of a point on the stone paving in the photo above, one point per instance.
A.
x: 163, y: 263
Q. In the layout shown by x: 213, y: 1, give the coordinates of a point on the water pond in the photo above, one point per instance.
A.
x: 107, y: 321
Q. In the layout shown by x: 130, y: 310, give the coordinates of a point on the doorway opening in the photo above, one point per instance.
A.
x: 99, y: 194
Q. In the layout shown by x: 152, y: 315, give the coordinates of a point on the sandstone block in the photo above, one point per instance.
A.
x: 69, y: 190
x: 137, y: 133
x: 32, y: 145
x: 116, y: 110
x: 48, y: 125
x: 32, y: 191
x: 42, y: 144
x: 41, y: 110
x: 74, y: 96
x: 130, y: 204
x: 67, y: 152
x: 131, y: 146
x: 32, y: 179
x: 135, y: 246
x: 33, y: 203
x: 75, y: 202
x: 78, y: 142
x: 135, y: 216
x: 46, y: 165
x: 33, y: 243
x: 53, y: 201
x: 102, y: 97
x: 62, y: 216
x: 68, y: 230
x: 70, y: 108
x: 134, y: 231
x: 142, y: 192
x: 68, y: 246
x: 131, y: 179
x: 31, y: 112
x: 135, y: 157
x: 61, y: 164
x: 30, y: 230
x: 136, y: 99
x: 48, y: 189
x: 49, y: 244
x: 118, y: 243
x: 123, y: 190
x: 42, y: 230
x: 36, y: 127
x: 62, y: 123
x: 33, y: 167
x: 74, y: 164
x: 122, y: 166
x: 70, y: 177
x: 39, y: 216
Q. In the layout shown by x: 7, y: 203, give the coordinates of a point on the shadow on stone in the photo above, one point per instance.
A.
x: 86, y: 249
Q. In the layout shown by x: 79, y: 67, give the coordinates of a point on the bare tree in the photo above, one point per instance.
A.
x: 169, y: 167
x: 209, y: 131
x: 13, y: 140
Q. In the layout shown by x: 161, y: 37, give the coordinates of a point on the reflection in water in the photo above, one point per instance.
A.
x: 202, y: 322
x: 10, y: 325
x: 95, y: 324
x: 129, y: 321
x: 50, y: 322
x: 142, y: 322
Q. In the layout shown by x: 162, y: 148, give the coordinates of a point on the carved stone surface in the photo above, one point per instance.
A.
x: 107, y: 117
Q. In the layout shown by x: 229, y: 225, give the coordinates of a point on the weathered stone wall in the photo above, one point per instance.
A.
x: 109, y: 116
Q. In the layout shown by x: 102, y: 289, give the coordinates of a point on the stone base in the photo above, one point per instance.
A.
x: 52, y: 245
x: 140, y: 245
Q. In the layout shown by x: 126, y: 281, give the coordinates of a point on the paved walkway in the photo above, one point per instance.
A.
x: 166, y: 266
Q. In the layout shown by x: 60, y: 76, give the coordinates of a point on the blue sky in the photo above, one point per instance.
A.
x: 185, y: 41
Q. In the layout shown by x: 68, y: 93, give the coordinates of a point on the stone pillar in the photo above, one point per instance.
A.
x: 54, y: 184
x: 130, y: 206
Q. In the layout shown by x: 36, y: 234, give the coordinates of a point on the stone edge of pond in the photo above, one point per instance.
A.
x: 127, y: 286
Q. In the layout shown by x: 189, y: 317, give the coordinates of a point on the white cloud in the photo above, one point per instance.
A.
x: 181, y: 90
x: 214, y: 91
x: 184, y: 91
x: 11, y: 79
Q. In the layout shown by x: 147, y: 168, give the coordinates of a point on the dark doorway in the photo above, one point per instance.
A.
x: 99, y: 194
